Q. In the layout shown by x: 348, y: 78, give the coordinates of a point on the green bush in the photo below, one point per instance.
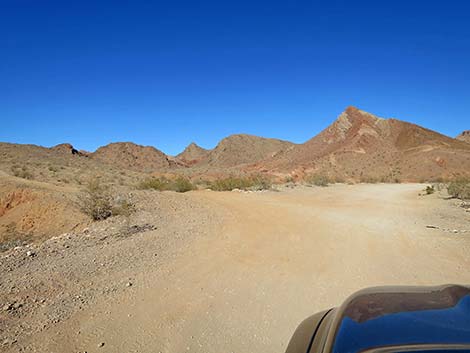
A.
x: 459, y: 188
x: 318, y: 180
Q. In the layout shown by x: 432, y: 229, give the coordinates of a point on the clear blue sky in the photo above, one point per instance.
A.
x: 165, y: 73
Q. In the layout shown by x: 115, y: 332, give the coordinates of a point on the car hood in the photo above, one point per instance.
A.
x: 401, y: 317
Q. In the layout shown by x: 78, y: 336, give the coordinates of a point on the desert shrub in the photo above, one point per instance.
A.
x: 243, y: 183
x: 201, y: 183
x: 339, y: 180
x: 123, y: 207
x: 429, y: 190
x: 459, y: 188
x: 317, y: 179
x: 230, y: 183
x: 153, y: 183
x: 289, y: 179
x: 96, y: 200
x: 179, y: 184
x: 21, y: 172
x: 369, y: 180
x: 437, y: 180
x: 259, y: 183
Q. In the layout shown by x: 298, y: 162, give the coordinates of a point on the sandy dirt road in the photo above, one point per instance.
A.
x: 276, y: 258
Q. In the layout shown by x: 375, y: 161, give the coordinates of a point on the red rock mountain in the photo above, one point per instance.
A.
x: 464, y: 136
x: 361, y: 145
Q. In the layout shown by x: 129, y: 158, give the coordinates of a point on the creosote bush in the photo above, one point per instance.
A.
x: 317, y: 179
x: 459, y: 188
x: 254, y: 182
x: 369, y: 180
x: 179, y: 184
x: 98, y: 202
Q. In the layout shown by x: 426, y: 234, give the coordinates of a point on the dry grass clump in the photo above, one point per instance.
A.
x: 179, y: 184
x: 459, y: 188
x: 254, y: 182
x: 98, y: 202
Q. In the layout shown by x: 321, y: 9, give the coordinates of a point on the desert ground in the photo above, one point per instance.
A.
x: 225, y: 271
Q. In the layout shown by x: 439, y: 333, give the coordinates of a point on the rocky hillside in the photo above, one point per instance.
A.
x: 59, y: 166
x: 360, y: 145
x: 464, y: 136
x: 67, y: 148
x: 241, y: 149
x: 128, y: 155
x: 193, y: 154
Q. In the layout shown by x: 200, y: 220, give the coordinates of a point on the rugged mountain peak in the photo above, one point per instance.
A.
x: 67, y: 148
x: 193, y: 146
x: 193, y: 154
x: 352, y: 122
x: 464, y: 136
x: 353, y: 114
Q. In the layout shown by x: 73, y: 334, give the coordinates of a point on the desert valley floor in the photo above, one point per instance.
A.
x: 225, y: 271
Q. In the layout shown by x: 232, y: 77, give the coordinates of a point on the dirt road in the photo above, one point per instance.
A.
x: 274, y: 259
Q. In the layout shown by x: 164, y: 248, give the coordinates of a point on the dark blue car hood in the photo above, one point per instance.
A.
x: 401, y: 317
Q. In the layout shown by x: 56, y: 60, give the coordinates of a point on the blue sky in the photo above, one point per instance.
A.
x: 165, y: 73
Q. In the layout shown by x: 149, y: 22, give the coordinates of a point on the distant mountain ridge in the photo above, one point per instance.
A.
x: 357, y: 145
